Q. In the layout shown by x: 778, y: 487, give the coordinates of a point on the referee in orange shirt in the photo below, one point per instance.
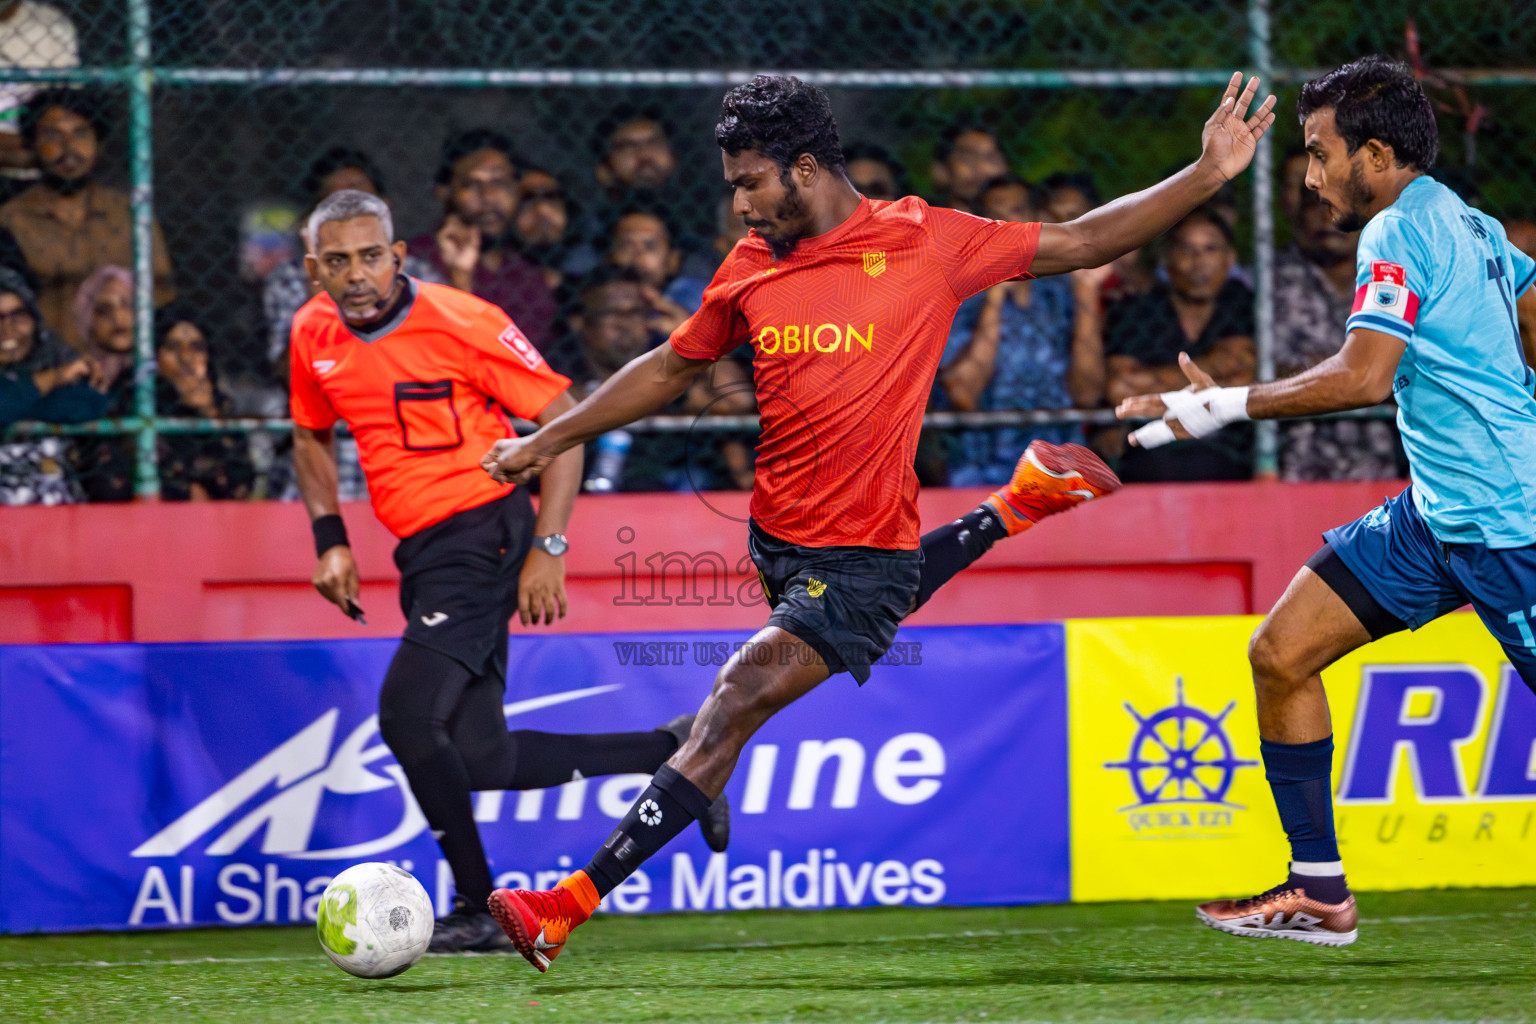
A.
x: 422, y: 374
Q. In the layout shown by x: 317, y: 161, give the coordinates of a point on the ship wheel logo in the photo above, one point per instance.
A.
x: 1181, y: 755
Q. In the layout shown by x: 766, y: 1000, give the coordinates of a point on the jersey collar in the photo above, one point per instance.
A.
x: 403, y: 310
x: 821, y: 241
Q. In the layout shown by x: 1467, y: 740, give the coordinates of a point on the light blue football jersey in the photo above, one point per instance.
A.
x: 1443, y: 277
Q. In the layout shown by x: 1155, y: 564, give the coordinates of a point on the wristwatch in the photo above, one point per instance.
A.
x: 555, y: 544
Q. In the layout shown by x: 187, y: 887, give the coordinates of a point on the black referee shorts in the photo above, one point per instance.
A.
x: 845, y: 602
x: 458, y: 581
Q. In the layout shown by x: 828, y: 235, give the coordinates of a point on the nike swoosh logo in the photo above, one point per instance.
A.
x: 324, y: 365
x: 435, y: 619
x: 540, y: 944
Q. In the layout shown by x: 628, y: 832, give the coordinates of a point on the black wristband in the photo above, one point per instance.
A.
x: 329, y: 532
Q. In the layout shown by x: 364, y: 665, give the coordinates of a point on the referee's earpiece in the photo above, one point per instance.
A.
x: 397, y: 262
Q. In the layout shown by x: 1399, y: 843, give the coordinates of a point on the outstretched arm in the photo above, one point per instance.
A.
x: 644, y: 385
x: 1359, y: 375
x: 1227, y: 146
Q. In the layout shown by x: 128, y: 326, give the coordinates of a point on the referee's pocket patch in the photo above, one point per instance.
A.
x: 428, y: 420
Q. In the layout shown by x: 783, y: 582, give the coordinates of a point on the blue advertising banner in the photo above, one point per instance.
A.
x: 197, y: 784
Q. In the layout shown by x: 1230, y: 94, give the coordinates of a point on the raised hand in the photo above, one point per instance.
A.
x: 458, y: 245
x: 1231, y: 136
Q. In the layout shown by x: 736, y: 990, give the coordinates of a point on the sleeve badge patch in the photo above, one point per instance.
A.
x: 1391, y: 273
x: 521, y: 347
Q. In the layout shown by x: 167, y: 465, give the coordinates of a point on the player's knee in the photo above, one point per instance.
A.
x: 741, y: 698
x: 1275, y: 664
x: 412, y: 736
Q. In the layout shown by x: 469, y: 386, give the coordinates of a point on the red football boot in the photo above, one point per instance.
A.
x: 538, y: 923
x: 1050, y: 478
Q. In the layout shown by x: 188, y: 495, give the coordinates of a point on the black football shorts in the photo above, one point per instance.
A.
x: 845, y: 602
x: 458, y: 581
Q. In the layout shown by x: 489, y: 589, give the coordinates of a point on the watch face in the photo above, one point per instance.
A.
x: 554, y: 544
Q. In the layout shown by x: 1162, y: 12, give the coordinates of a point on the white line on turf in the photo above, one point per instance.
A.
x: 979, y: 933
x: 985, y: 933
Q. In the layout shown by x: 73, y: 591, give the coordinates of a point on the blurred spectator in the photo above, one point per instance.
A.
x: 41, y: 378
x: 1522, y: 235
x: 68, y: 224
x: 1032, y: 344
x: 965, y: 158
x: 103, y: 318
x: 874, y: 172
x: 612, y: 330
x: 1292, y: 185
x: 1069, y: 195
x: 544, y: 233
x: 1199, y: 310
x: 289, y: 286
x: 635, y: 153
x: 642, y: 242
x: 195, y: 467
x: 1314, y: 290
x: 32, y: 35
x: 719, y: 461
x: 730, y: 228
x: 475, y: 249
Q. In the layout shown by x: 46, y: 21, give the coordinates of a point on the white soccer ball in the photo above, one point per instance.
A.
x: 375, y: 920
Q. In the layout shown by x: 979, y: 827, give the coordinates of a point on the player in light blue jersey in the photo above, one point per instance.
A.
x: 1434, y: 324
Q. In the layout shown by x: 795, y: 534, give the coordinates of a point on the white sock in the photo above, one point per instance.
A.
x: 1317, y: 868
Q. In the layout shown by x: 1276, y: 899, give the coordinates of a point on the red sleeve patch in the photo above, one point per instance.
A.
x: 1393, y: 273
x: 520, y: 346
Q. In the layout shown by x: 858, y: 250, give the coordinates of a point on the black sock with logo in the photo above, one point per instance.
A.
x: 669, y: 804
x: 955, y: 546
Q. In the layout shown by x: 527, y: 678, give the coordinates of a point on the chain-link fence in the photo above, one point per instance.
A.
x: 217, y: 124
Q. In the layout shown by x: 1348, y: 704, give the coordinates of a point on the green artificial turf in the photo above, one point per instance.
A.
x: 1431, y: 956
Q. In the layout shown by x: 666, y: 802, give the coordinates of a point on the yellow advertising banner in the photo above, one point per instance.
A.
x: 1434, y: 762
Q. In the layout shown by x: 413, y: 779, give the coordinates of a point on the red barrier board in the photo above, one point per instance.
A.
x: 240, y: 571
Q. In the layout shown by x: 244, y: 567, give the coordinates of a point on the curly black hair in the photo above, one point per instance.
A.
x: 1378, y: 98
x: 782, y: 118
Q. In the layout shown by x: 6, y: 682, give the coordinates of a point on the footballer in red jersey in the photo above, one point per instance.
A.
x: 847, y: 304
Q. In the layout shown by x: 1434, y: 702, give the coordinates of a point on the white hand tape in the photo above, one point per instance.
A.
x: 1188, y: 407
x: 1153, y: 435
x: 1230, y: 405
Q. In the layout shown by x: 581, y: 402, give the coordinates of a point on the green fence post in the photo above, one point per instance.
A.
x: 1266, y: 462
x: 141, y: 179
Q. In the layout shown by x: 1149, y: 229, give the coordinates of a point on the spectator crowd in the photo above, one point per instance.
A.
x: 593, y: 288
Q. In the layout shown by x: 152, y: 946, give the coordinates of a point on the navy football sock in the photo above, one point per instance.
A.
x: 952, y: 547
x: 669, y: 804
x: 1300, y: 776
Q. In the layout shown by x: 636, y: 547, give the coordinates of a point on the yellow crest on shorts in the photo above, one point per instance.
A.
x: 814, y: 586
x: 874, y: 263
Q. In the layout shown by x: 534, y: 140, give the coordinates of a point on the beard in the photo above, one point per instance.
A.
x: 1357, y: 196
x: 66, y: 186
x: 790, y: 209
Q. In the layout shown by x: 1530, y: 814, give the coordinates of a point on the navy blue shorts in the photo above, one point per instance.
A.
x: 844, y: 602
x: 1410, y: 578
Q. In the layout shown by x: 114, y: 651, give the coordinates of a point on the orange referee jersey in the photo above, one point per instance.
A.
x: 421, y: 394
x: 847, y: 331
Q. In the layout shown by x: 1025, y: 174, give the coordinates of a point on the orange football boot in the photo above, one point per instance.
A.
x: 538, y: 923
x: 1050, y: 478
